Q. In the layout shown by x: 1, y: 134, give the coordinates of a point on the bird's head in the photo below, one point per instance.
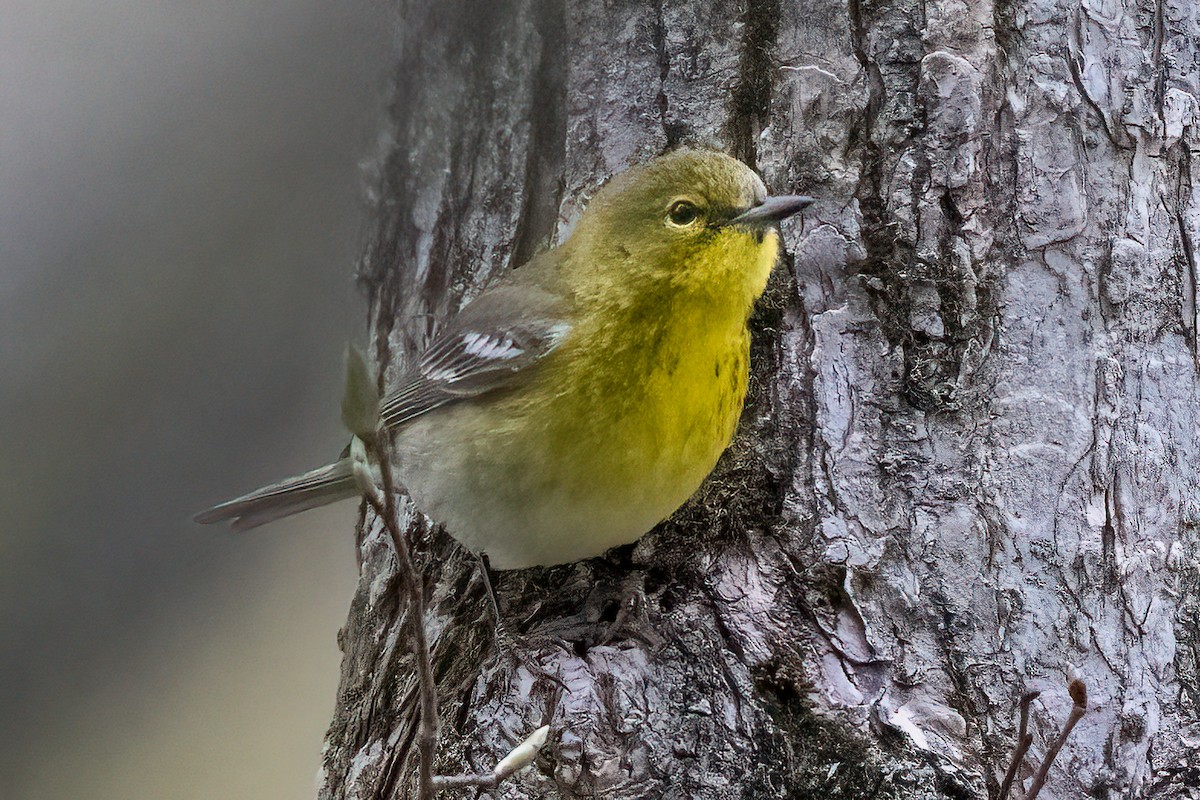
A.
x: 691, y: 221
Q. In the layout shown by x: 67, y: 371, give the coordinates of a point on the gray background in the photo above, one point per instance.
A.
x: 180, y: 212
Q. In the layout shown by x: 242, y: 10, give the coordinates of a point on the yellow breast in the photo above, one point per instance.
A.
x: 590, y: 465
x: 617, y: 428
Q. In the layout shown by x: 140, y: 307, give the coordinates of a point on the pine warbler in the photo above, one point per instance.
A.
x: 583, y: 398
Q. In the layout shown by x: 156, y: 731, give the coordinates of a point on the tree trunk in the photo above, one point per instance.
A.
x: 969, y: 463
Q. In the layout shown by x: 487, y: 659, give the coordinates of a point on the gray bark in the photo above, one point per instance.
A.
x: 969, y: 463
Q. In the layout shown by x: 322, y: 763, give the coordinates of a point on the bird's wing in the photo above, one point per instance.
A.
x: 491, y: 344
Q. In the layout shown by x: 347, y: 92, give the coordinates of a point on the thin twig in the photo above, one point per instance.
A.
x: 485, y: 780
x: 414, y: 585
x: 517, y: 759
x: 1078, y: 691
x: 382, y: 499
x: 1024, y: 740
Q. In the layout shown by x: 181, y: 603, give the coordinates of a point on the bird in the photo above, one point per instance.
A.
x: 586, y: 395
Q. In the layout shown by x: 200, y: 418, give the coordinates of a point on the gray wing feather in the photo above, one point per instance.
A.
x: 490, y: 344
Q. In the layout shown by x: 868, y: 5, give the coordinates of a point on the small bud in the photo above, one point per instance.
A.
x: 360, y: 402
x: 1078, y: 691
x: 523, y: 754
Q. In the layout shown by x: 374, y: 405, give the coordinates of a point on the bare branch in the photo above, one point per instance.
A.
x: 1078, y: 691
x: 412, y: 584
x: 1024, y: 740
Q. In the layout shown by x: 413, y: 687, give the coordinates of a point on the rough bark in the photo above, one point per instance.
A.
x: 969, y: 464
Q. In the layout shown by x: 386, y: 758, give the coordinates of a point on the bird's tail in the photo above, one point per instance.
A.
x: 321, y: 486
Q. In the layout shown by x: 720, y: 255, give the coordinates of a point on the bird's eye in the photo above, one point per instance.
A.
x: 682, y: 213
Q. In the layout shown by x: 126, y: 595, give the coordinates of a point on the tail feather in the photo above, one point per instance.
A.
x: 313, y: 489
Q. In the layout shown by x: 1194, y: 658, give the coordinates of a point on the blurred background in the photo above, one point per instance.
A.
x: 180, y: 213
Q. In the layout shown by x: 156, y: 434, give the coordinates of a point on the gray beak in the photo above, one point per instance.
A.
x: 772, y: 210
